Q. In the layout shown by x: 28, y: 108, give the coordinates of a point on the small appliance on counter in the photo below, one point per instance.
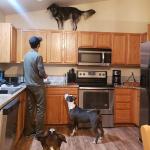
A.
x: 71, y: 76
x: 116, y: 78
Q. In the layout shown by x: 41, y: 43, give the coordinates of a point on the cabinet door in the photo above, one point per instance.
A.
x: 87, y: 39
x: 104, y: 40
x: 136, y: 106
x: 123, y: 107
x: 148, y: 32
x: 143, y: 37
x: 119, y: 48
x: 55, y: 47
x: 13, y: 46
x: 70, y: 47
x: 133, y: 53
x: 7, y: 43
x: 53, y: 109
x: 21, y: 115
x: 25, y: 42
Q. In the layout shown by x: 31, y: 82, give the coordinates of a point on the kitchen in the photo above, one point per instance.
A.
x: 117, y: 28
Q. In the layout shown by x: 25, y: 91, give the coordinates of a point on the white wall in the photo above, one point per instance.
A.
x: 2, y: 17
x: 111, y: 15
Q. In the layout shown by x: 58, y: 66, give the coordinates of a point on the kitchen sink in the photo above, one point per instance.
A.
x: 9, y: 90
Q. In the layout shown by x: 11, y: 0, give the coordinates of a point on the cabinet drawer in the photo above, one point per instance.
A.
x: 122, y: 106
x: 122, y: 116
x: 62, y: 91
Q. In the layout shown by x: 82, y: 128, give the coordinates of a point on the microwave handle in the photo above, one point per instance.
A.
x: 96, y: 52
x: 103, y: 58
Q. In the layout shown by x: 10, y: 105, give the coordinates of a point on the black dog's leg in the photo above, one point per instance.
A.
x: 75, y: 127
x: 75, y: 20
x: 95, y: 129
x: 58, y: 23
x: 98, y: 129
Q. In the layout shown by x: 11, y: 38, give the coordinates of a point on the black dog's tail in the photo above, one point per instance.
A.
x: 88, y: 13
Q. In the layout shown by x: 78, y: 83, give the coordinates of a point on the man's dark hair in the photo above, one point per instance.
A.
x: 35, y: 41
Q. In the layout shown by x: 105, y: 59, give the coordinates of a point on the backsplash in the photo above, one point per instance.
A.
x: 59, y: 71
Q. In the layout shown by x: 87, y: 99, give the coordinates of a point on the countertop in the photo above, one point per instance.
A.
x: 62, y: 85
x: 128, y: 87
x: 6, y: 98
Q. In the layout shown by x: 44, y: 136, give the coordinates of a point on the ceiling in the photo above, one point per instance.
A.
x: 9, y: 6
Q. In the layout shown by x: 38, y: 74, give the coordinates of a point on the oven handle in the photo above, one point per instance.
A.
x: 96, y: 88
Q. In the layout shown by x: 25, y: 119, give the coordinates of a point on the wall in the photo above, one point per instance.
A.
x: 111, y: 16
x: 2, y: 17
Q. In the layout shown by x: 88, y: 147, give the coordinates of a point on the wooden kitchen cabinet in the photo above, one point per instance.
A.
x: 133, y: 51
x: 56, y: 106
x: 25, y: 36
x: 143, y: 37
x: 148, y: 32
x: 104, y: 40
x: 119, y: 48
x: 87, y: 39
x: 70, y: 47
x: 21, y: 115
x: 126, y: 106
x: 55, y: 47
x: 62, y: 47
x: 8, y: 43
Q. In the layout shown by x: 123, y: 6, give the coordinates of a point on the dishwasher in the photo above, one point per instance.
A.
x: 8, y: 127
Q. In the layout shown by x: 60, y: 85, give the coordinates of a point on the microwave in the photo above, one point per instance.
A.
x: 94, y: 56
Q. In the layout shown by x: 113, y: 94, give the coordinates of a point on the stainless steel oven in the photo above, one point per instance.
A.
x: 96, y: 94
x: 98, y: 98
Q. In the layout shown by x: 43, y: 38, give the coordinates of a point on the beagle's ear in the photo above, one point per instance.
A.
x: 46, y: 133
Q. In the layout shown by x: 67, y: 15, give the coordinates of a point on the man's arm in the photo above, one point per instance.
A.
x: 41, y: 69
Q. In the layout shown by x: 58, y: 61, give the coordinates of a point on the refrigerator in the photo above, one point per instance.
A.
x: 144, y: 84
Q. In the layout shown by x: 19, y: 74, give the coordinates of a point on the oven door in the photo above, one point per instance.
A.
x: 96, y: 98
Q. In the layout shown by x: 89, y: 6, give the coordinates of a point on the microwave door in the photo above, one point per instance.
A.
x: 90, y: 58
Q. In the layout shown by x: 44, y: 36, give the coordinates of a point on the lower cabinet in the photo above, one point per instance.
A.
x: 21, y: 115
x: 126, y: 108
x: 56, y: 106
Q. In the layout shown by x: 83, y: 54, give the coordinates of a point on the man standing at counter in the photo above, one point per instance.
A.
x: 34, y: 74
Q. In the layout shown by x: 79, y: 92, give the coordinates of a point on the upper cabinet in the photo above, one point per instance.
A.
x: 54, y: 47
x: 126, y: 48
x: 119, y: 48
x: 57, y: 47
x: 62, y: 47
x: 143, y: 37
x: 70, y: 47
x: 149, y: 32
x: 133, y: 51
x: 94, y: 39
x: 87, y: 39
x: 104, y: 40
x: 8, y: 43
x: 26, y: 35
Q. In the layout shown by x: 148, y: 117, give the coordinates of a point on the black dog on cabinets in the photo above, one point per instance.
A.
x: 62, y: 14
